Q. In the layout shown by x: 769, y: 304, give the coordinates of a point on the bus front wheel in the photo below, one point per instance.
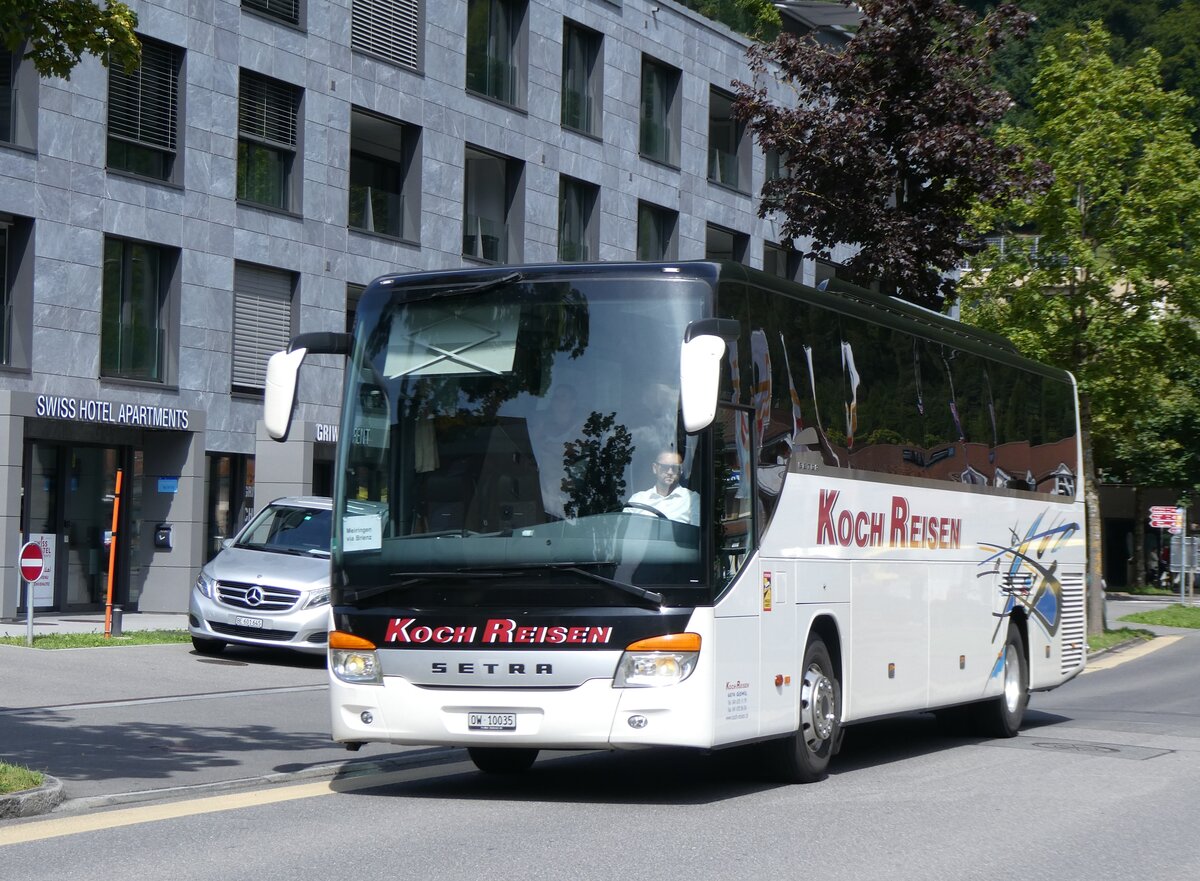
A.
x: 803, y: 757
x: 1002, y: 716
x: 498, y: 760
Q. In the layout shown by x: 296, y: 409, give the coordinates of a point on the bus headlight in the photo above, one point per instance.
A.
x: 353, y: 659
x: 661, y: 660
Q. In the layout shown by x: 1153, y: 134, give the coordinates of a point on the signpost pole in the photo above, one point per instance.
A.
x: 29, y: 613
x: 112, y: 557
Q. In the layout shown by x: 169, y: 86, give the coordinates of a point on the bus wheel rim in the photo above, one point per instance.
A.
x: 1012, y: 679
x: 817, y: 708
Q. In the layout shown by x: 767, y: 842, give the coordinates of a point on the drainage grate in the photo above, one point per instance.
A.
x: 1081, y: 747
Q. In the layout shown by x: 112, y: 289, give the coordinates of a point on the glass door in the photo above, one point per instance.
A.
x: 89, y: 487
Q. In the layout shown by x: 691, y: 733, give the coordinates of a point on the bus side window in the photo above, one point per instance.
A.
x: 733, y: 494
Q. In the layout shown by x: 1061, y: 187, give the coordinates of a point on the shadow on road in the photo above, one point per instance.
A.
x: 681, y: 777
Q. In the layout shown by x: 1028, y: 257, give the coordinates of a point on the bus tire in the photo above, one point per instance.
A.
x: 803, y: 757
x: 499, y: 760
x: 1002, y: 716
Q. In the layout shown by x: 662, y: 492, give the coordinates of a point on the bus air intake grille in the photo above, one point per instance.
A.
x: 1073, y: 626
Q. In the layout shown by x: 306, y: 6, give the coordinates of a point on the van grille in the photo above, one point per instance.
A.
x: 257, y: 597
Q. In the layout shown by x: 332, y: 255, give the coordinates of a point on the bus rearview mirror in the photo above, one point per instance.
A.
x: 699, y: 380
x: 279, y: 395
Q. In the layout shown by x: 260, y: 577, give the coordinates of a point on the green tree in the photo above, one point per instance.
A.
x: 756, y: 18
x: 56, y: 34
x: 1105, y: 280
x: 1172, y: 27
x: 887, y: 142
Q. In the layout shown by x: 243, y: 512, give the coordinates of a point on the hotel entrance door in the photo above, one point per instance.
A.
x: 69, y: 493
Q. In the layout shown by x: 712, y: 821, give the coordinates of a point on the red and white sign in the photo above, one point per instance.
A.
x: 32, y: 562
x: 1165, y: 517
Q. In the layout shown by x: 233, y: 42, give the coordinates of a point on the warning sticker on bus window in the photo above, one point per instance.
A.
x: 361, y: 534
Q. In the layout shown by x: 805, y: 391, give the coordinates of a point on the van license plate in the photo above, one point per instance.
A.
x: 248, y: 622
x: 492, y: 721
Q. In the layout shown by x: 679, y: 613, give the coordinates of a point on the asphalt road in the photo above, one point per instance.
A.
x: 1100, y: 785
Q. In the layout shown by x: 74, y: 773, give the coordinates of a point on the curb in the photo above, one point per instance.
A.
x: 34, y: 802
x: 31, y: 802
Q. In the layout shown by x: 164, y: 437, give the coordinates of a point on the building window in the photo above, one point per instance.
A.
x: 388, y: 29
x: 728, y: 148
x: 782, y: 262
x: 284, y: 10
x: 578, y: 235
x: 354, y: 293
x: 143, y: 113
x: 776, y: 165
x: 656, y: 233
x: 384, y: 193
x: 496, y: 49
x: 659, y: 132
x: 18, y: 99
x: 16, y: 289
x: 134, y: 309
x: 492, y: 207
x: 268, y: 112
x: 262, y: 322
x: 582, y: 85
x: 725, y: 244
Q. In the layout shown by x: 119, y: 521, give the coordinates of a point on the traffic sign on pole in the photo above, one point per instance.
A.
x: 32, y: 562
x: 1164, y: 516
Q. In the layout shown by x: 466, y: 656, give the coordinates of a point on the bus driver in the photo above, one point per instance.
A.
x: 667, y: 496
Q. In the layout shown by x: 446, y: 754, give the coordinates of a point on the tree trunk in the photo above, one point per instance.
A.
x: 1140, y: 566
x: 1096, y: 620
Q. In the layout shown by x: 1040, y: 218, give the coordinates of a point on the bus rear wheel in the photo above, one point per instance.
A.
x: 1002, y: 716
x: 803, y: 757
x: 498, y: 760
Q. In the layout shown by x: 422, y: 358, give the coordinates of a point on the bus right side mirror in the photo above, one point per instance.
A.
x: 700, y: 379
x: 279, y: 396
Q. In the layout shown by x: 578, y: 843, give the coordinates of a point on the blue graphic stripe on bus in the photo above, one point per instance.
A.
x: 1026, y: 574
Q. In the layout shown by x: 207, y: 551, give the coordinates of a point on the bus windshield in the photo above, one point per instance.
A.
x: 521, y: 430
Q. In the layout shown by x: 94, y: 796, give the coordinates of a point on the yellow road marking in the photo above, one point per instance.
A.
x: 56, y: 827
x: 1114, y: 659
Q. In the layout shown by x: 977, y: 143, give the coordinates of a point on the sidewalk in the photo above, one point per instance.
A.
x: 92, y: 622
x: 119, y: 724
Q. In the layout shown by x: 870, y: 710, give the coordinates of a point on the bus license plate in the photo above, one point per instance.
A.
x: 248, y: 622
x: 492, y: 721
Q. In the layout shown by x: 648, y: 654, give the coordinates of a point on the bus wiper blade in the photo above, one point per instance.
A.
x: 408, y: 579
x: 652, y: 596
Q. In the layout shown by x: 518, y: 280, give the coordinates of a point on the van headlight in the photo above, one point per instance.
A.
x: 318, y: 598
x: 207, y: 585
x: 659, y: 661
x: 354, y: 659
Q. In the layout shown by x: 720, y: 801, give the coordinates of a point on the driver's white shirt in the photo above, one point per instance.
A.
x: 681, y: 505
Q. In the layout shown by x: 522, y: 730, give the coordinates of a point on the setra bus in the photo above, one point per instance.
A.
x: 877, y: 510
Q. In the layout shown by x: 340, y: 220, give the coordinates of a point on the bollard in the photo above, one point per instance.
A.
x: 115, y: 629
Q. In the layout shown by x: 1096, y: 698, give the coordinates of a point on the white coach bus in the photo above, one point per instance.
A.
x: 615, y: 506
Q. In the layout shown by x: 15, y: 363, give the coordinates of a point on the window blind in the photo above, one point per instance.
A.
x: 262, y: 321
x: 387, y: 28
x: 142, y: 104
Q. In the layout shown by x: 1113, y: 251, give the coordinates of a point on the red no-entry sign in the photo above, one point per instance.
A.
x: 32, y: 561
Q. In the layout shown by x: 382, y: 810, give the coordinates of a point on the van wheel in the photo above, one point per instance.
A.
x: 803, y: 757
x: 1002, y: 716
x: 498, y: 760
x: 207, y: 646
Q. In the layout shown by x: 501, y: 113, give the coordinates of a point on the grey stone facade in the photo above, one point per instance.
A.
x: 61, y: 186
